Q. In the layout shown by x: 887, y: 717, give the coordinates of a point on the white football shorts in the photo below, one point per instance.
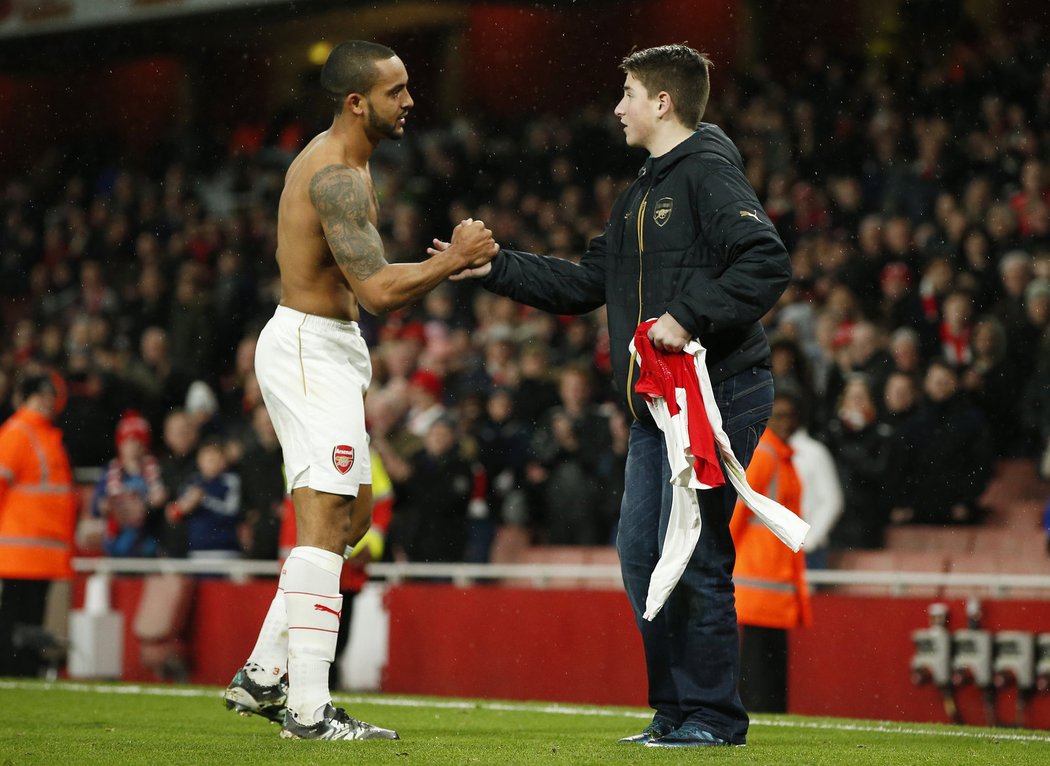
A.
x: 313, y: 373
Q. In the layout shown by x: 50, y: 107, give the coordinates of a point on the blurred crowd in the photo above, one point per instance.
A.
x: 915, y: 202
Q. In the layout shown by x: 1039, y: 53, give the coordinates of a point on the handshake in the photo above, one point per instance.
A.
x: 472, y: 246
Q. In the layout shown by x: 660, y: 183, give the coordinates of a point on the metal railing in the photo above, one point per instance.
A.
x: 548, y: 575
x: 899, y: 583
x: 538, y: 575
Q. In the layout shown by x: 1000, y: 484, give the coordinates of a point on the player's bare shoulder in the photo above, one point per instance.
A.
x: 339, y: 191
x: 297, y: 222
x: 344, y: 201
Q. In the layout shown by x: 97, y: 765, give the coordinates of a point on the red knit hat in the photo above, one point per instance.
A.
x: 427, y: 380
x: 133, y: 426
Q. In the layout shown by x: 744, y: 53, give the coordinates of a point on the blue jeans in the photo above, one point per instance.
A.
x: 692, y: 652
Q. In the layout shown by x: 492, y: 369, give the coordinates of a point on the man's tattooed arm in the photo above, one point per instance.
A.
x: 341, y: 199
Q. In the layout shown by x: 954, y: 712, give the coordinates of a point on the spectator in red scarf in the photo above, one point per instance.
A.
x: 956, y: 329
x: 130, y: 495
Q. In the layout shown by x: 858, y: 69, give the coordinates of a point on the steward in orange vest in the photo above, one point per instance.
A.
x: 38, y: 505
x: 769, y: 578
x: 38, y: 515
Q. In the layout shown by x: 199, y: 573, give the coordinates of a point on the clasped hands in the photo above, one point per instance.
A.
x: 476, y: 248
x: 479, y: 248
x: 472, y: 244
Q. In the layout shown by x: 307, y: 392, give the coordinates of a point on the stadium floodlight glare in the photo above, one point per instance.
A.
x: 318, y: 52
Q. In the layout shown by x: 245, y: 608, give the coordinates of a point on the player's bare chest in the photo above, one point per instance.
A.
x: 373, y: 203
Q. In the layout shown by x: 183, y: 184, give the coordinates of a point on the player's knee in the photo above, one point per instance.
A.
x: 324, y: 521
x: 356, y: 528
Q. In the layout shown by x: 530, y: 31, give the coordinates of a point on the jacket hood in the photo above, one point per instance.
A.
x: 707, y: 139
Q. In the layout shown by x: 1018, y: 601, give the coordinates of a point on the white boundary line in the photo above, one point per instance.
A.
x: 877, y: 727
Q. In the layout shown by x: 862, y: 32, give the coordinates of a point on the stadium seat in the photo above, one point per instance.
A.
x: 509, y: 545
x: 604, y: 555
x: 552, y: 554
x: 993, y: 562
x: 1028, y: 542
x: 1025, y: 516
x: 930, y: 537
x: 890, y: 561
x: 160, y: 624
x: 1015, y: 479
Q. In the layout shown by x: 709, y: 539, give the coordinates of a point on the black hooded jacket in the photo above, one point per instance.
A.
x: 688, y: 237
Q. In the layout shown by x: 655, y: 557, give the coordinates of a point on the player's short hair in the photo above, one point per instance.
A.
x: 678, y: 69
x: 351, y: 68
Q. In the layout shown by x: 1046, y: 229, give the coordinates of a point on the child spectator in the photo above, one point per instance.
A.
x: 209, y: 504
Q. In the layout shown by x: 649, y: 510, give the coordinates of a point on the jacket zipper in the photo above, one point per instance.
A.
x: 638, y: 321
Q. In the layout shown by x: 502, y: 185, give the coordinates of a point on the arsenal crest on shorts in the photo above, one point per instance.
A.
x: 343, y: 457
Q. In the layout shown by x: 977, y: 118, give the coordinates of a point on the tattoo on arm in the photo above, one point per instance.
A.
x: 341, y: 198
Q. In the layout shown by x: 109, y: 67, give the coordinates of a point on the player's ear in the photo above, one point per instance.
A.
x: 354, y: 102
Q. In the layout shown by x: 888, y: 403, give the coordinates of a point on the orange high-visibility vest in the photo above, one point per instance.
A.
x: 770, y: 579
x: 38, y: 503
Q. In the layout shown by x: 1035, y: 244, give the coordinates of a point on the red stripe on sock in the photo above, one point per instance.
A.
x: 313, y: 595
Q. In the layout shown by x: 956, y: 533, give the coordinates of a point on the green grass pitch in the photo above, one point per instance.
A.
x: 69, y: 723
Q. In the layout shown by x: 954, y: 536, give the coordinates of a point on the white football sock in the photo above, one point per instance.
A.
x: 269, y: 659
x: 314, y: 606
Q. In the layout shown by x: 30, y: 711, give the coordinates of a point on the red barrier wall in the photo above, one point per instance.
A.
x: 582, y: 646
x: 223, y: 624
x: 559, y: 645
x: 855, y: 660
